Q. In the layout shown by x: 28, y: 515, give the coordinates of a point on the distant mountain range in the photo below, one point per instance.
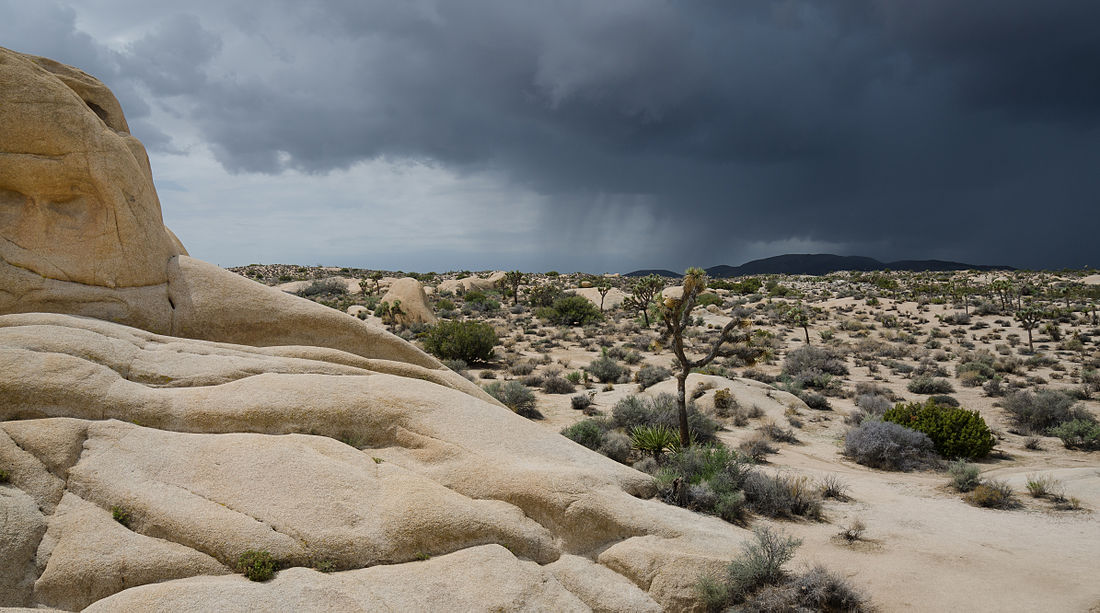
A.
x: 820, y: 264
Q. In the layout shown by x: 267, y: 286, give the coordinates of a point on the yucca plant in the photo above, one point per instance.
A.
x: 654, y: 439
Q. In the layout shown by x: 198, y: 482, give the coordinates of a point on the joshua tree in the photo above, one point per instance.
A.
x: 1029, y: 318
x: 676, y: 316
x: 798, y: 316
x: 603, y: 286
x: 511, y: 282
x: 390, y: 313
x: 642, y: 293
x: 1092, y: 294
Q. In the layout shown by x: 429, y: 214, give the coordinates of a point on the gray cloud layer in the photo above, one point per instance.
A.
x: 890, y: 128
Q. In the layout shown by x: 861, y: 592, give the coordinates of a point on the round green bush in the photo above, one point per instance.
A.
x: 955, y: 432
x: 587, y: 433
x: 515, y: 396
x: 571, y: 310
x: 471, y: 341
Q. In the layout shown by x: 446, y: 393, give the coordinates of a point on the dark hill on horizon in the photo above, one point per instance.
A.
x: 822, y: 264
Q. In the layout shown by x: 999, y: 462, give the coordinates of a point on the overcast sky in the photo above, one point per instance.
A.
x: 603, y: 135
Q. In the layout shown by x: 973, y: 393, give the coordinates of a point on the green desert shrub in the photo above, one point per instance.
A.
x: 1040, y: 411
x: 724, y: 400
x: 720, y: 481
x: 756, y: 581
x: 257, y: 565
x: 757, y: 447
x: 515, y: 396
x: 588, y: 432
x: 617, y: 446
x: 945, y: 400
x: 782, y: 496
x: 1083, y: 434
x: 470, y: 341
x: 705, y: 478
x: 929, y: 385
x: 869, y: 404
x: 649, y: 375
x: 955, y: 432
x: 625, y: 354
x: 606, y: 370
x: 544, y: 295
x: 557, y: 385
x: 761, y: 561
x: 889, y: 446
x: 817, y: 589
x: 571, y: 310
x: 580, y: 402
x: 641, y: 410
x: 983, y: 368
x: 5, y: 476
x: 324, y: 286
x: 479, y: 301
x: 707, y: 299
x: 993, y: 494
x: 832, y: 486
x: 814, y: 400
x: 810, y: 358
x: 522, y: 369
x: 964, y: 477
x: 1043, y: 486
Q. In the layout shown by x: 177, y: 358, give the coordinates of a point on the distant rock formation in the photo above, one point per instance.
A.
x: 465, y: 284
x: 161, y: 416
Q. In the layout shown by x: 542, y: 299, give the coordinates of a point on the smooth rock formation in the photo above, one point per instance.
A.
x: 465, y: 284
x: 219, y: 416
x: 486, y: 578
x: 614, y: 297
x: 77, y: 201
x: 20, y: 532
x: 414, y: 302
x: 91, y: 556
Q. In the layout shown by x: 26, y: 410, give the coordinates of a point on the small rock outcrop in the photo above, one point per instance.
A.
x: 160, y: 416
x: 415, y: 308
x: 465, y: 284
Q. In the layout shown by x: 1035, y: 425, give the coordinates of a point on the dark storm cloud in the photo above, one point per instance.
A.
x: 938, y: 128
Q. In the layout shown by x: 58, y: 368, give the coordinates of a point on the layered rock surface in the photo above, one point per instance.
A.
x: 213, y: 415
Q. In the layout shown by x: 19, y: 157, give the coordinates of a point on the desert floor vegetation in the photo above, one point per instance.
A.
x: 953, y: 415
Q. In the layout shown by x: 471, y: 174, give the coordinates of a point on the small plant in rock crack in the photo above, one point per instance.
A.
x: 256, y: 565
x: 121, y: 515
